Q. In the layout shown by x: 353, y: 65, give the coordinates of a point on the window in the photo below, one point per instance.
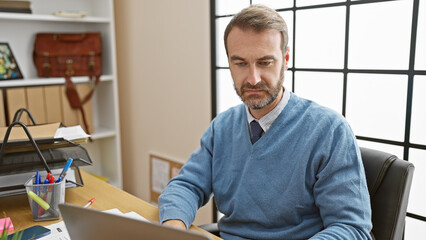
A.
x: 360, y: 58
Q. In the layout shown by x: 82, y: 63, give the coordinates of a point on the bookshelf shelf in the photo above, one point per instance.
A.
x: 28, y: 82
x: 103, y: 133
x: 51, y: 18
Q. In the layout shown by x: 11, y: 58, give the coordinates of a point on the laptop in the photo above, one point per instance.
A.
x: 83, y: 223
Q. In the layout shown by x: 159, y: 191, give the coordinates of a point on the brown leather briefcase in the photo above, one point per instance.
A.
x: 70, y: 54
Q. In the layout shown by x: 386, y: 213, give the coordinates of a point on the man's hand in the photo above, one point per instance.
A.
x: 175, y: 223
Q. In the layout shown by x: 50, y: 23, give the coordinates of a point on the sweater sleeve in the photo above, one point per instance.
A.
x: 191, y: 189
x: 340, y: 191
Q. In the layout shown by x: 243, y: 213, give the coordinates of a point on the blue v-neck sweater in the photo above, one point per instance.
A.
x: 303, y: 179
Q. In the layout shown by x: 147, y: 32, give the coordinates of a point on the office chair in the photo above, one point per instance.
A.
x: 389, y: 180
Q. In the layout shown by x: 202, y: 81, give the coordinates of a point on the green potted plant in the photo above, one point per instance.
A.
x: 5, y: 232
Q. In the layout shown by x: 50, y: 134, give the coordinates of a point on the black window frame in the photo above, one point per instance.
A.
x: 411, y: 72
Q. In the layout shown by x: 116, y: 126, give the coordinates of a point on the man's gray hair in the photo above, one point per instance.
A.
x: 259, y: 18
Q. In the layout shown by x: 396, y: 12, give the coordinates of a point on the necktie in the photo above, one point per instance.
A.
x: 256, y: 131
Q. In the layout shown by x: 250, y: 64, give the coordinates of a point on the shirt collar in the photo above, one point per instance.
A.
x: 267, y: 120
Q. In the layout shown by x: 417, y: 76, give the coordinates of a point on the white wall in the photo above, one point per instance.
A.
x: 163, y: 55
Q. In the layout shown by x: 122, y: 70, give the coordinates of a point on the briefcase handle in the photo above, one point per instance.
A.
x: 64, y: 37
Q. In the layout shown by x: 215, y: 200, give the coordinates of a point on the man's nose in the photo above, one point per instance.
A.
x: 254, y: 76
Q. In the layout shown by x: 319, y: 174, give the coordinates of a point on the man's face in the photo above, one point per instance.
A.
x: 256, y: 64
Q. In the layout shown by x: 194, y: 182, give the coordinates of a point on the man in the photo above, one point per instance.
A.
x: 298, y: 175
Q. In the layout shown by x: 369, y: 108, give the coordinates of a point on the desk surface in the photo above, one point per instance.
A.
x: 106, y: 195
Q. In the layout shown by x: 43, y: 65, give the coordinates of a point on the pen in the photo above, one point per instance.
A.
x: 51, y: 188
x: 64, y: 171
x: 37, y: 191
x: 39, y: 200
x: 52, y: 179
x: 42, y: 203
x: 43, y: 192
x: 37, y: 178
x: 47, y: 194
x: 46, y: 181
x: 37, y: 181
x: 89, y: 203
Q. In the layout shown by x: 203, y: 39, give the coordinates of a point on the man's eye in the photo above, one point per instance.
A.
x: 265, y: 63
x: 240, y: 64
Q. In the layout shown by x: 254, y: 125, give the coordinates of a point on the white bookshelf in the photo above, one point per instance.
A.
x: 19, y: 30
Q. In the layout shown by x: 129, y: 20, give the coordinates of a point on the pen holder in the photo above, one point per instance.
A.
x: 44, y: 199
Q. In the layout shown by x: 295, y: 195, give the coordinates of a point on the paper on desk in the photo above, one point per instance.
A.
x: 131, y: 214
x: 58, y: 231
x: 114, y: 211
x: 6, y: 225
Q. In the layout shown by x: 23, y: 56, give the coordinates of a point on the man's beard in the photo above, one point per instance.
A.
x: 256, y: 102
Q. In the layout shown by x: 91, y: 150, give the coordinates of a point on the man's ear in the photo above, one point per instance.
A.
x: 286, y: 57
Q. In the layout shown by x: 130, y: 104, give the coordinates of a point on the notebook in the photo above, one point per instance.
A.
x: 83, y: 223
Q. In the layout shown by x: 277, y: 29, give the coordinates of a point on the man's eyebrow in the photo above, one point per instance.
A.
x: 267, y: 57
x: 238, y: 58
x: 235, y: 58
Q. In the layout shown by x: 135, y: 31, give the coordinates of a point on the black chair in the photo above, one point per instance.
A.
x: 389, y: 181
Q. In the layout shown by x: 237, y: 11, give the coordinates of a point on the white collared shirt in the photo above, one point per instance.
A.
x: 266, y: 121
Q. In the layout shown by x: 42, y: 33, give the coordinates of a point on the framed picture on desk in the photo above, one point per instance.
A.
x: 9, y: 68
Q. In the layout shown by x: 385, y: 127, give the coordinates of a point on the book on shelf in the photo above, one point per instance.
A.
x: 70, y: 14
x: 15, y: 6
x: 15, y: 10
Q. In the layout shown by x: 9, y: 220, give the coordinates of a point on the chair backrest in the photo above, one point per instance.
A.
x: 389, y: 181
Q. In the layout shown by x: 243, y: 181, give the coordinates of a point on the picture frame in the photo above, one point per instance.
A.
x: 9, y: 68
x: 162, y: 169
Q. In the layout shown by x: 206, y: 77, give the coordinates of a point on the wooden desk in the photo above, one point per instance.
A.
x: 106, y: 195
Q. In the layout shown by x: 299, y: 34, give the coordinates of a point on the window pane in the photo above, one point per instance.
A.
x: 420, y: 63
x: 288, y: 18
x: 379, y: 36
x: 226, y: 95
x: 414, y: 229
x: 416, y: 204
x: 221, y: 58
x: 300, y: 3
x: 320, y: 38
x: 288, y: 80
x: 275, y: 4
x: 392, y: 149
x: 376, y: 105
x: 226, y: 7
x: 418, y: 113
x: 324, y: 88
